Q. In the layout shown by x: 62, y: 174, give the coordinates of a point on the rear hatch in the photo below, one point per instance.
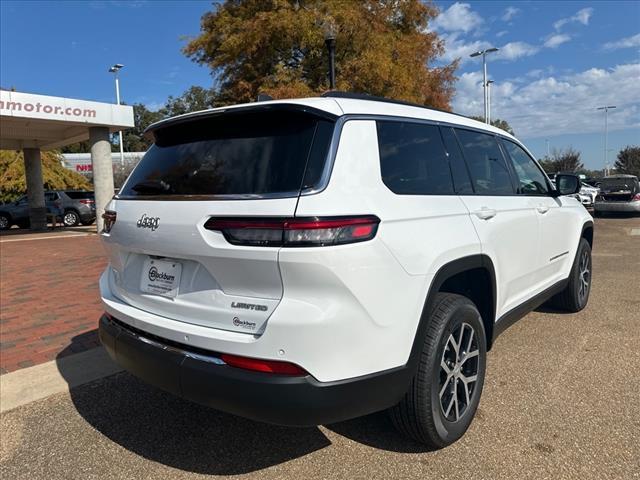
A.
x: 242, y: 163
x: 620, y: 189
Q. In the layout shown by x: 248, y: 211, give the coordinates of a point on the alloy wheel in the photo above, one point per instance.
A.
x: 70, y: 219
x: 584, y: 276
x: 458, y: 372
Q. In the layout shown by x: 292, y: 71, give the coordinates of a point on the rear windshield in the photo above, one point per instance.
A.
x: 237, y: 153
x: 79, y: 195
x: 619, y: 184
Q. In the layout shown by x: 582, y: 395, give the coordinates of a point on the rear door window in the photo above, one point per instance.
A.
x: 489, y: 171
x: 413, y: 160
x: 251, y: 153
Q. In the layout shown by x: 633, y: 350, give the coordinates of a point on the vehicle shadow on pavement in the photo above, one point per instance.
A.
x: 377, y: 431
x: 175, y: 432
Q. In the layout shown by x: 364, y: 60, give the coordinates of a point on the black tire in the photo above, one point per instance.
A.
x: 575, y: 296
x: 87, y: 222
x: 5, y: 222
x: 421, y: 414
x: 71, y: 218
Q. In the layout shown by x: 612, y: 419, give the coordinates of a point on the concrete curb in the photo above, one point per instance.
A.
x: 40, y: 381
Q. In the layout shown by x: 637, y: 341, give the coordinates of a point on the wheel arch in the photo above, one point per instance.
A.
x: 456, y: 277
x: 587, y: 232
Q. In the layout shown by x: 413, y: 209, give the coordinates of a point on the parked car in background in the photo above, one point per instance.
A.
x: 618, y: 193
x: 17, y: 213
x: 588, y: 194
x: 79, y: 206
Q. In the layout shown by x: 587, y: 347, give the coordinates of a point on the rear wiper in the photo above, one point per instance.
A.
x: 151, y: 187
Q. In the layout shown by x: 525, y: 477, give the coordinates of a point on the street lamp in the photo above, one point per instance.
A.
x: 484, y: 77
x: 330, y: 42
x: 606, y: 109
x: 489, y: 82
x: 115, y: 69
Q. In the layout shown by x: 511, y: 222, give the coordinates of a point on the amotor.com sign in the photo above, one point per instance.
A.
x: 46, y: 108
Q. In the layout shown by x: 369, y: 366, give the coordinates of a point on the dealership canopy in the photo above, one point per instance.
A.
x: 40, y: 121
x: 32, y: 123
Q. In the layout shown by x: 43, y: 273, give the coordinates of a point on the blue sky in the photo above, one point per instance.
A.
x: 558, y: 60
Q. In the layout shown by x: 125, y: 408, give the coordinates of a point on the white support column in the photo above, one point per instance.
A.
x: 102, y: 170
x: 35, y: 189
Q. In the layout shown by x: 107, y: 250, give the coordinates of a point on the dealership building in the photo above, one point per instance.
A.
x: 81, y: 162
x: 33, y: 123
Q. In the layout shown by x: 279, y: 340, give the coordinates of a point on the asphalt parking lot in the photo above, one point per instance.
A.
x: 561, y: 400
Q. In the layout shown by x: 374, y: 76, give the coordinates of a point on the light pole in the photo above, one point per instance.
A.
x: 330, y: 42
x: 489, y: 82
x: 606, y: 127
x: 484, y: 76
x: 115, y: 69
x: 548, y: 144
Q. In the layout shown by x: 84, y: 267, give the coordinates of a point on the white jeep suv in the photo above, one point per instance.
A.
x: 307, y: 261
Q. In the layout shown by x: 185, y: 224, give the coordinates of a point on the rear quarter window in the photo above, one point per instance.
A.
x: 413, y: 160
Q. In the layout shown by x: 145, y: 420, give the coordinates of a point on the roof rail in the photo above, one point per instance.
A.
x: 373, y: 98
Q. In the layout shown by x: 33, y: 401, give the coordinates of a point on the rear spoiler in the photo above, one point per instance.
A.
x: 149, y: 132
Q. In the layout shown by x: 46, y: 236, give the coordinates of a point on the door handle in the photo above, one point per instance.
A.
x: 542, y: 209
x: 485, y: 213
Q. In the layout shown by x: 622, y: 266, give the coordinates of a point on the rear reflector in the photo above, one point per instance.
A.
x: 295, y: 232
x: 266, y: 366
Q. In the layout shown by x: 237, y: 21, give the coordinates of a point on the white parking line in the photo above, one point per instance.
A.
x: 47, y: 237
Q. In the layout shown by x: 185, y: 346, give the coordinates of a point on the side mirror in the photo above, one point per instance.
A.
x: 567, y: 184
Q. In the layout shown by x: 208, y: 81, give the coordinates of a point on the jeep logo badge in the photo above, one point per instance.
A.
x: 148, y: 222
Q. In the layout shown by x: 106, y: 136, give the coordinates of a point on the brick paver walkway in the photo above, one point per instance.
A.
x: 48, y: 296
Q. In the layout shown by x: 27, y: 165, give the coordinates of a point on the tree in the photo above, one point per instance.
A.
x: 628, y: 160
x: 133, y: 138
x: 80, y: 147
x: 54, y: 175
x: 193, y: 99
x: 562, y: 160
x: 497, y: 123
x: 383, y: 47
x: 547, y: 164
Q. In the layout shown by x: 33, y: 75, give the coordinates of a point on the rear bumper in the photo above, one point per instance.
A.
x: 617, y: 206
x: 204, y: 378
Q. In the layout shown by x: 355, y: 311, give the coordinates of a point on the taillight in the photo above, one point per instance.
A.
x: 86, y: 201
x: 109, y: 217
x: 636, y: 198
x: 266, y: 366
x: 295, y: 232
